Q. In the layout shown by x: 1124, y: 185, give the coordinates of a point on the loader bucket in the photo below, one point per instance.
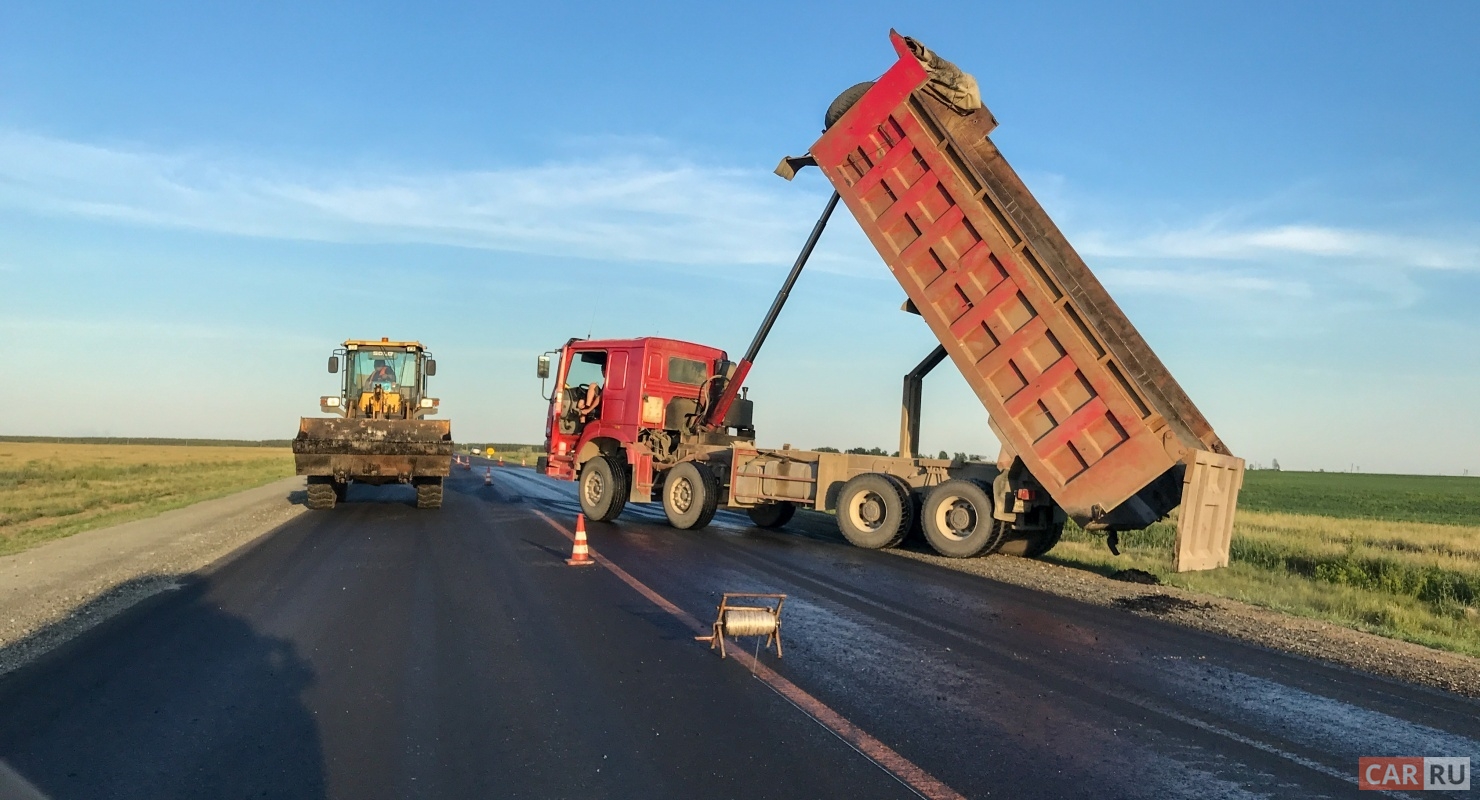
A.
x: 373, y: 450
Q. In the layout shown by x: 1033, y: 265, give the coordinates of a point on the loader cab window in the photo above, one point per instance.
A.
x: 391, y: 370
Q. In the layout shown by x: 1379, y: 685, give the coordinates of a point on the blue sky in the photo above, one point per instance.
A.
x: 197, y: 204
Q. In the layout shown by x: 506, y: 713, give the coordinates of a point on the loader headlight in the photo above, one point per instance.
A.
x: 427, y: 402
x: 331, y: 402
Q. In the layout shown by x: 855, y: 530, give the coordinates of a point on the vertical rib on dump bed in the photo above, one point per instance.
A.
x: 1070, y: 385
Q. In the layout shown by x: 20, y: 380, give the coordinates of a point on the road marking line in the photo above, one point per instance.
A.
x: 902, y: 769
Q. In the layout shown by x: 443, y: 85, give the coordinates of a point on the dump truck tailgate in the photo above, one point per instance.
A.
x: 1070, y: 385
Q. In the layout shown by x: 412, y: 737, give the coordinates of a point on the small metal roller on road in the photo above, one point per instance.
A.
x: 752, y: 620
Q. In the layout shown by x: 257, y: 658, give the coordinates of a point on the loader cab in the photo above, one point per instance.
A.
x: 382, y: 380
x: 652, y: 390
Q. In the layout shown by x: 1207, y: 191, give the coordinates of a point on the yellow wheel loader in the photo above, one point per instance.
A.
x: 380, y: 433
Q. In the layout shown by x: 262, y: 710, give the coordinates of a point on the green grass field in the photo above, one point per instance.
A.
x: 1397, y: 555
x: 1439, y: 499
x: 49, y: 490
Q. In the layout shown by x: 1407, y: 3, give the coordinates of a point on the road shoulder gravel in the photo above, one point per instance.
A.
x: 1311, y: 638
x: 51, y: 593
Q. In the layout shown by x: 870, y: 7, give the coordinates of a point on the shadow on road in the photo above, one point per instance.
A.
x: 173, y: 698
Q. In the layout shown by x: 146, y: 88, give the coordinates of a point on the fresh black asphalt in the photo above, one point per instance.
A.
x: 378, y: 651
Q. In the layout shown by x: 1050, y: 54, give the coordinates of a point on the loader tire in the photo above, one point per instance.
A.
x: 772, y: 515
x: 874, y: 511
x: 429, y: 493
x: 958, y: 520
x: 844, y: 102
x: 690, y: 496
x: 321, y: 494
x: 604, y: 488
x: 1033, y: 545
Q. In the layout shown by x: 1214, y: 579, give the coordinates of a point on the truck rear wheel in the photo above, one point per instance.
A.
x: 874, y: 511
x: 604, y: 488
x: 1034, y: 544
x: 321, y: 494
x: 429, y: 493
x: 771, y: 515
x: 690, y: 496
x: 958, y: 520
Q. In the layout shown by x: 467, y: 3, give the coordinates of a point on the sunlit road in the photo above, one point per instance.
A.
x: 380, y: 651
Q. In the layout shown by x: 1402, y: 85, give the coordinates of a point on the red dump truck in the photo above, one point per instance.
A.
x: 1092, y: 425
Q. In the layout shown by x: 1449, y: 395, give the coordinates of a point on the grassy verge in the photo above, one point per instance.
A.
x: 1412, y: 580
x: 50, y: 490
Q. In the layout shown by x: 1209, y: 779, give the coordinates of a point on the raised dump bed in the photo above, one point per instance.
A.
x: 1072, y: 389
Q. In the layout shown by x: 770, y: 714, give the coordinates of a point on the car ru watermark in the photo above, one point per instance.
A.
x: 1408, y: 773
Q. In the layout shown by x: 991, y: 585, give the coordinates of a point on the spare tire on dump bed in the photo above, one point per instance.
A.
x: 844, y: 102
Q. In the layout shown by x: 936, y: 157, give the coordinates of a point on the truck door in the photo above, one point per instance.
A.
x: 614, y: 397
x: 587, y: 368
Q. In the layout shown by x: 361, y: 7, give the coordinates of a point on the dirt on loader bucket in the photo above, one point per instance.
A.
x: 373, y: 450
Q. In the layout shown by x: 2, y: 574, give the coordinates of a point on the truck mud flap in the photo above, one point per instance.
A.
x: 1210, y: 489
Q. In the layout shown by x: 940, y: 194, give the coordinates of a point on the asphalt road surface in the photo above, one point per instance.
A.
x: 379, y: 651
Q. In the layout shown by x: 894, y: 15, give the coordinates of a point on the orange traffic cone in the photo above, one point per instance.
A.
x: 488, y: 476
x: 580, y: 556
x: 500, y: 461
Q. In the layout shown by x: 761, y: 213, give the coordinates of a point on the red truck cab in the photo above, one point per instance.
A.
x: 652, y: 393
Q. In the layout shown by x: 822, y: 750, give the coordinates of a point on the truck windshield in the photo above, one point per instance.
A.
x: 392, y: 370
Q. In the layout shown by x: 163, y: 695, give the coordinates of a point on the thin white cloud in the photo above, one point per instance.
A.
x: 618, y: 207
x: 637, y: 203
x: 1219, y: 241
x: 1206, y: 282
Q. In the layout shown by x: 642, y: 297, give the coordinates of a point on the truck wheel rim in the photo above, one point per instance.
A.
x: 956, y: 518
x: 866, y: 511
x: 681, y: 495
x: 595, y: 488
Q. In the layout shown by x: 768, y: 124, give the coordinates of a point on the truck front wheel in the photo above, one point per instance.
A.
x: 958, y: 520
x: 874, y: 511
x: 604, y: 488
x: 690, y: 496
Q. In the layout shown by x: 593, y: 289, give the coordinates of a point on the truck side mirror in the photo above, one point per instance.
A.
x: 542, y: 367
x: 431, y: 367
x: 333, y: 364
